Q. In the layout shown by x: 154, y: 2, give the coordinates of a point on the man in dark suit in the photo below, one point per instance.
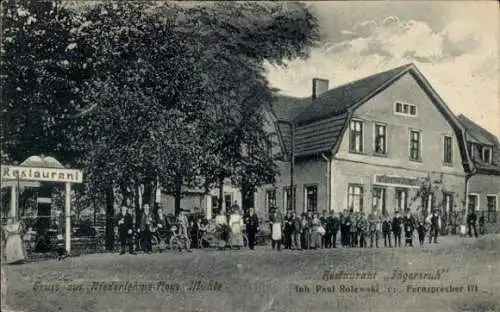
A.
x: 471, y: 222
x: 397, y: 223
x: 125, y: 229
x: 342, y: 217
x: 252, y: 227
x: 435, y: 223
x: 334, y: 225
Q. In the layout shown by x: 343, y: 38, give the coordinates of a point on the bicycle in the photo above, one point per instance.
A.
x: 178, y: 241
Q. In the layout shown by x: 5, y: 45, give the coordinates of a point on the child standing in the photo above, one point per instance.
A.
x: 421, y: 232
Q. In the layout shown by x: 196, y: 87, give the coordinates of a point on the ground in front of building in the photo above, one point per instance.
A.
x: 458, y: 274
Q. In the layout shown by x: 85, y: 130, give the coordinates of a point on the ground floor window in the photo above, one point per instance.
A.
x: 426, y: 204
x: 215, y: 205
x: 270, y: 199
x: 228, y: 201
x: 379, y: 200
x: 401, y: 199
x: 287, y: 200
x: 448, y: 206
x: 311, y: 198
x: 473, y: 202
x: 491, y: 204
x: 355, y: 197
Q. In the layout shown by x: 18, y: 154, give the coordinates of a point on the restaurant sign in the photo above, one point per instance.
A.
x: 41, y: 174
x: 391, y: 180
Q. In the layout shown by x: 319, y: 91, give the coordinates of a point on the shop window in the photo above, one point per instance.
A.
x: 355, y: 197
x: 311, y: 198
x: 270, y: 199
x: 491, y: 204
x: 379, y: 200
x: 401, y: 200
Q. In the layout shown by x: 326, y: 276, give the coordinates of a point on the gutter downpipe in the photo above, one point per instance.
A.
x: 329, y: 192
x: 467, y: 178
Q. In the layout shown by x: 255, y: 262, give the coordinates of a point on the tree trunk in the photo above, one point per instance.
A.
x: 110, y: 218
x: 221, y: 194
x: 177, y: 195
x: 137, y: 206
x: 248, y: 200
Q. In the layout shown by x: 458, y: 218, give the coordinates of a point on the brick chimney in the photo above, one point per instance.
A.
x: 319, y: 86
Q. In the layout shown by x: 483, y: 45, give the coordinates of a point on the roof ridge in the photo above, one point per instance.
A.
x: 367, y: 77
x: 342, y: 97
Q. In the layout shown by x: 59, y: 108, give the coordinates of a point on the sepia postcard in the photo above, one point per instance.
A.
x: 250, y: 156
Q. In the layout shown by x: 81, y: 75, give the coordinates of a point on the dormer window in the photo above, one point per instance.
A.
x: 486, y: 154
x: 405, y: 109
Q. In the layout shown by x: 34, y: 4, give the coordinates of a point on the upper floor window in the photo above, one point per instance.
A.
x: 486, y: 154
x: 406, y: 109
x: 448, y: 150
x: 356, y: 136
x: 415, y: 143
x: 380, y: 139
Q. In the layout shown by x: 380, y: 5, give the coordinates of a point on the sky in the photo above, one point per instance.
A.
x: 454, y: 44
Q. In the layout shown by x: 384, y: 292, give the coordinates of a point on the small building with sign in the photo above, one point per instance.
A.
x: 371, y: 143
x: 484, y: 185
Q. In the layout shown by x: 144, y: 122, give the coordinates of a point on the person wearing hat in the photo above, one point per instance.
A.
x: 374, y: 227
x: 362, y: 227
x: 125, y: 229
x: 386, y: 231
x: 147, y: 229
x: 435, y: 224
x: 397, y: 223
x: 252, y: 227
x: 409, y: 226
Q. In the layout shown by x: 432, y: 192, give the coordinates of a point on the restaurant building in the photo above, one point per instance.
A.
x: 371, y: 143
x: 484, y: 184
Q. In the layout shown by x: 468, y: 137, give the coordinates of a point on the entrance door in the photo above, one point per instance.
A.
x: 248, y: 201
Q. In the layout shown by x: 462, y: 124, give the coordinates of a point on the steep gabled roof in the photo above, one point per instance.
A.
x: 339, y: 99
x: 286, y: 108
x: 335, y: 108
x: 478, y: 135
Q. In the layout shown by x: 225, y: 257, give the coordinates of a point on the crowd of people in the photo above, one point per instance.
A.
x: 235, y: 228
x: 357, y: 229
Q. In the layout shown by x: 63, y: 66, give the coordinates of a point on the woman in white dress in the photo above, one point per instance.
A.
x: 276, y: 229
x: 236, y: 225
x: 15, y: 251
